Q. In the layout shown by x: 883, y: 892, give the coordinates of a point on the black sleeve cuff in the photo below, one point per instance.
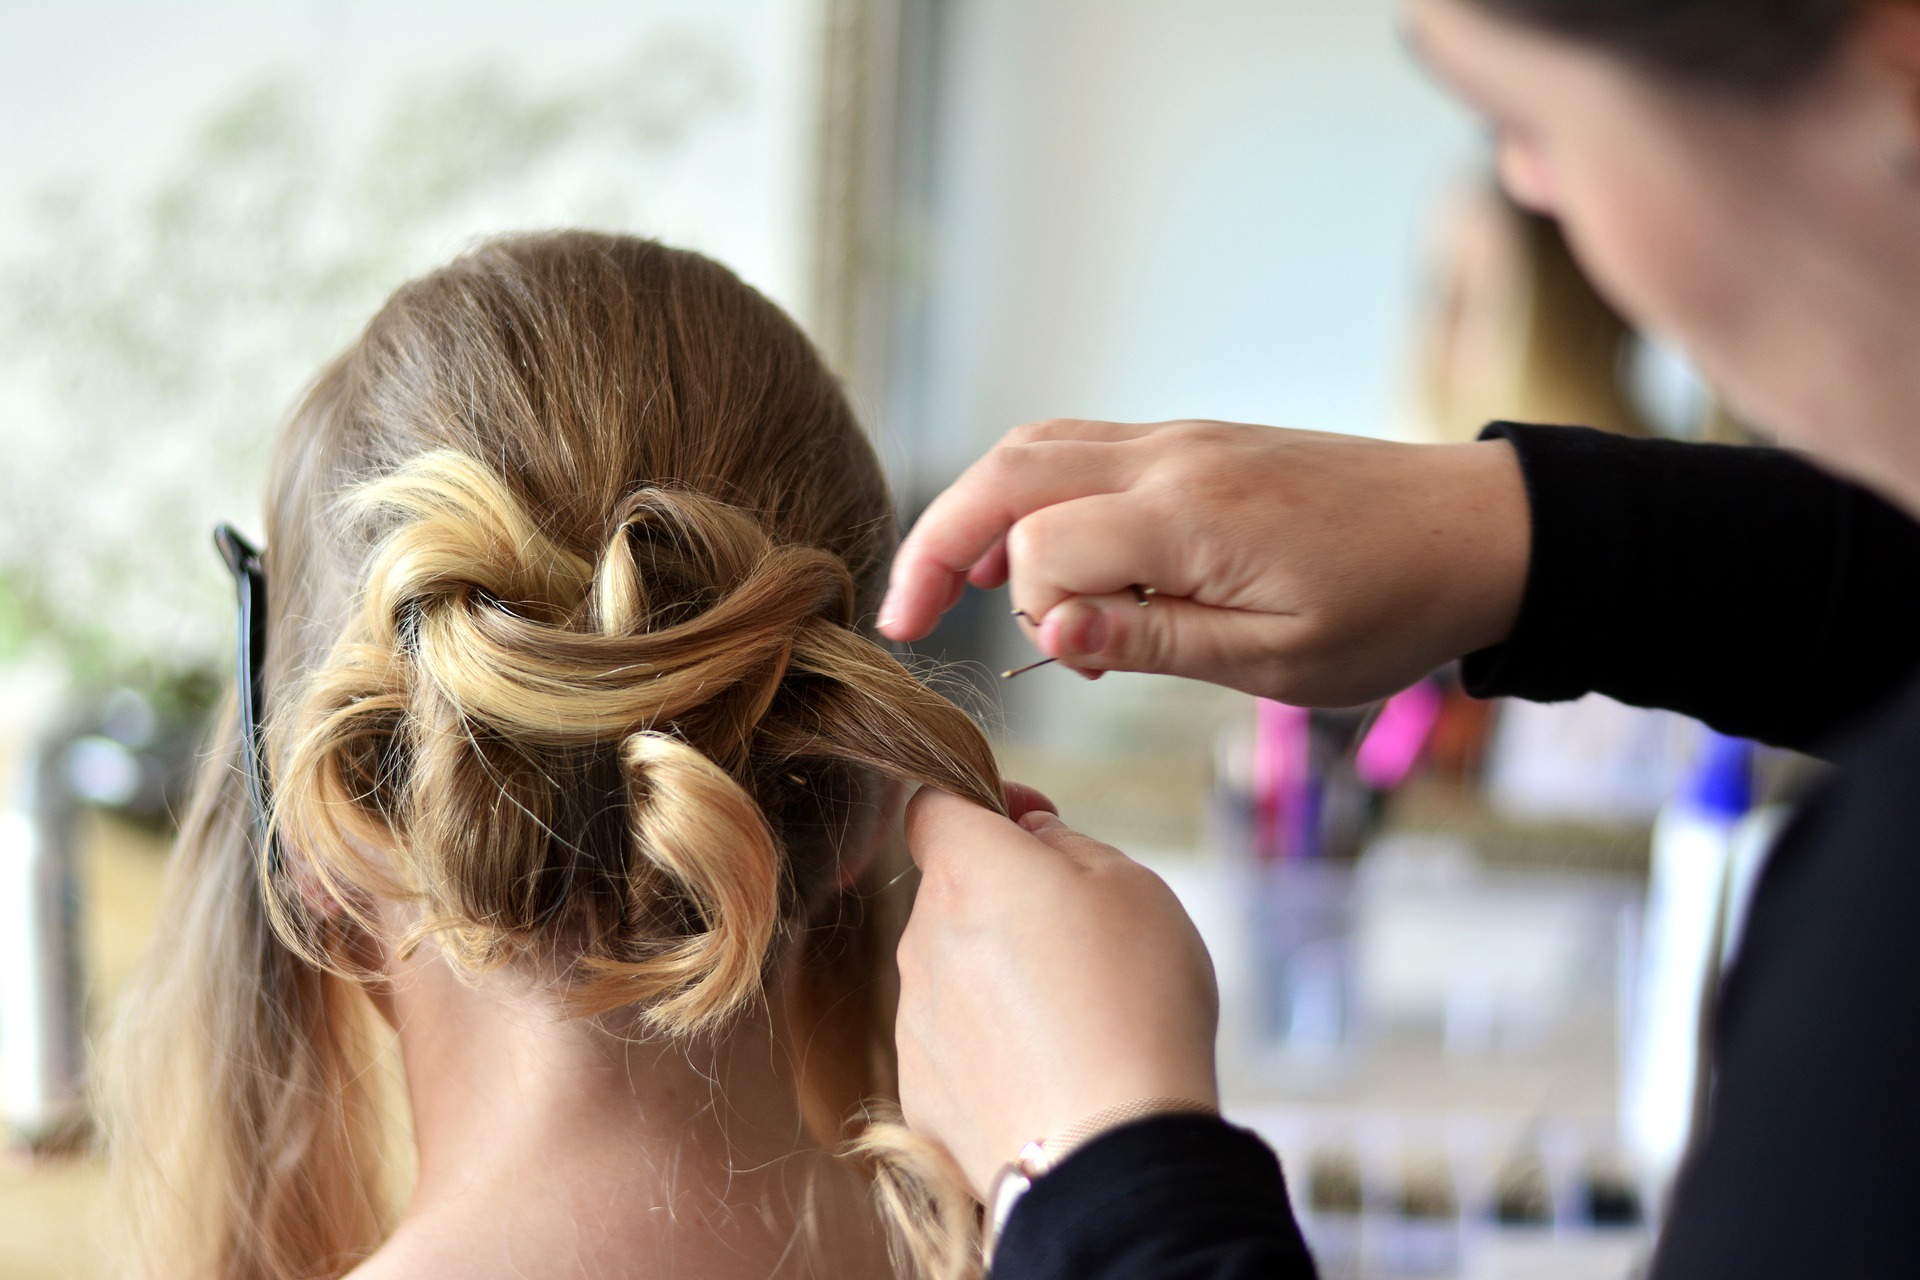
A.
x: 1738, y: 585
x: 1170, y: 1198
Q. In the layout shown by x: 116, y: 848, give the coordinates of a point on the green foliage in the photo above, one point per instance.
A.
x: 148, y: 350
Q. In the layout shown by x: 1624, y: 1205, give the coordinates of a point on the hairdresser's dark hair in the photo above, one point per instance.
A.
x: 1756, y: 48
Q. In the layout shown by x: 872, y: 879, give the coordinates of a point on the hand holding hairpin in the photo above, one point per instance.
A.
x: 1142, y: 596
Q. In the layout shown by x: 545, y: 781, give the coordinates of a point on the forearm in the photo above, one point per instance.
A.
x: 1173, y: 1198
x: 1739, y: 586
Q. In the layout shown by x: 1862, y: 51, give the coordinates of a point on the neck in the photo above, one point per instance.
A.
x: 613, y: 1148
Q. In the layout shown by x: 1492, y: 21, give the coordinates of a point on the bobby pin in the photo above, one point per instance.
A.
x: 1142, y: 596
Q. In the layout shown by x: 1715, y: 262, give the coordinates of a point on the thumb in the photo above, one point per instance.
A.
x: 943, y: 829
x: 1168, y: 637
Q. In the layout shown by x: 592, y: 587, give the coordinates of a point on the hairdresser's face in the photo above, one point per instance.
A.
x: 1769, y: 240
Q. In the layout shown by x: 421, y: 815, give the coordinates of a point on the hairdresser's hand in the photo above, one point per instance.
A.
x: 1320, y: 570
x: 1044, y: 978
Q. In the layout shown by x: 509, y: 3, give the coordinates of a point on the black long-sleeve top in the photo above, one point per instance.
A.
x: 1745, y: 588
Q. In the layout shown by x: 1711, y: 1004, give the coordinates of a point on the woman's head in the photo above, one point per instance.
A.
x: 569, y: 561
x: 1740, y: 177
x: 1753, y: 48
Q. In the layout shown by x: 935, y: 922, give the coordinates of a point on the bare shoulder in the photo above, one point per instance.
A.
x: 844, y: 1242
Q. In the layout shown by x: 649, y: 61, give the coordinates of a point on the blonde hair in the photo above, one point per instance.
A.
x: 1512, y: 328
x: 568, y: 561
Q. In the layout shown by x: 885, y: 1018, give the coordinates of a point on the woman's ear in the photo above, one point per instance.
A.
x: 359, y: 931
x: 316, y: 899
x: 1890, y: 34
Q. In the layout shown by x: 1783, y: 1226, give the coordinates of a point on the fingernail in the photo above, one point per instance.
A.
x: 1074, y: 628
x: 1084, y: 630
x: 1036, y: 819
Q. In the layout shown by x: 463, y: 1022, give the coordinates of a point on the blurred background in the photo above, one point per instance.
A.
x: 1461, y: 945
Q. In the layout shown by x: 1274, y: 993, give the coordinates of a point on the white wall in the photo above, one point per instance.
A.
x: 1161, y: 208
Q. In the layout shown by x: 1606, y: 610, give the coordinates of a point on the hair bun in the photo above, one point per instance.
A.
x: 704, y: 843
x: 575, y: 749
x: 688, y: 619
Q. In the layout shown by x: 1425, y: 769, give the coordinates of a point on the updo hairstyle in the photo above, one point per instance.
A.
x: 570, y: 562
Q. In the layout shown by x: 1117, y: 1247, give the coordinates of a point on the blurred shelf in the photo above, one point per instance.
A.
x: 1428, y: 806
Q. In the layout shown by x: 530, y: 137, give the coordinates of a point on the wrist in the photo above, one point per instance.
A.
x: 1492, y: 497
x: 1057, y: 1148
x: 1042, y: 1156
x: 1100, y: 1100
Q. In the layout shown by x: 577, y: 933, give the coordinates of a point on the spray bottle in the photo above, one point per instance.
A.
x: 1683, y: 941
